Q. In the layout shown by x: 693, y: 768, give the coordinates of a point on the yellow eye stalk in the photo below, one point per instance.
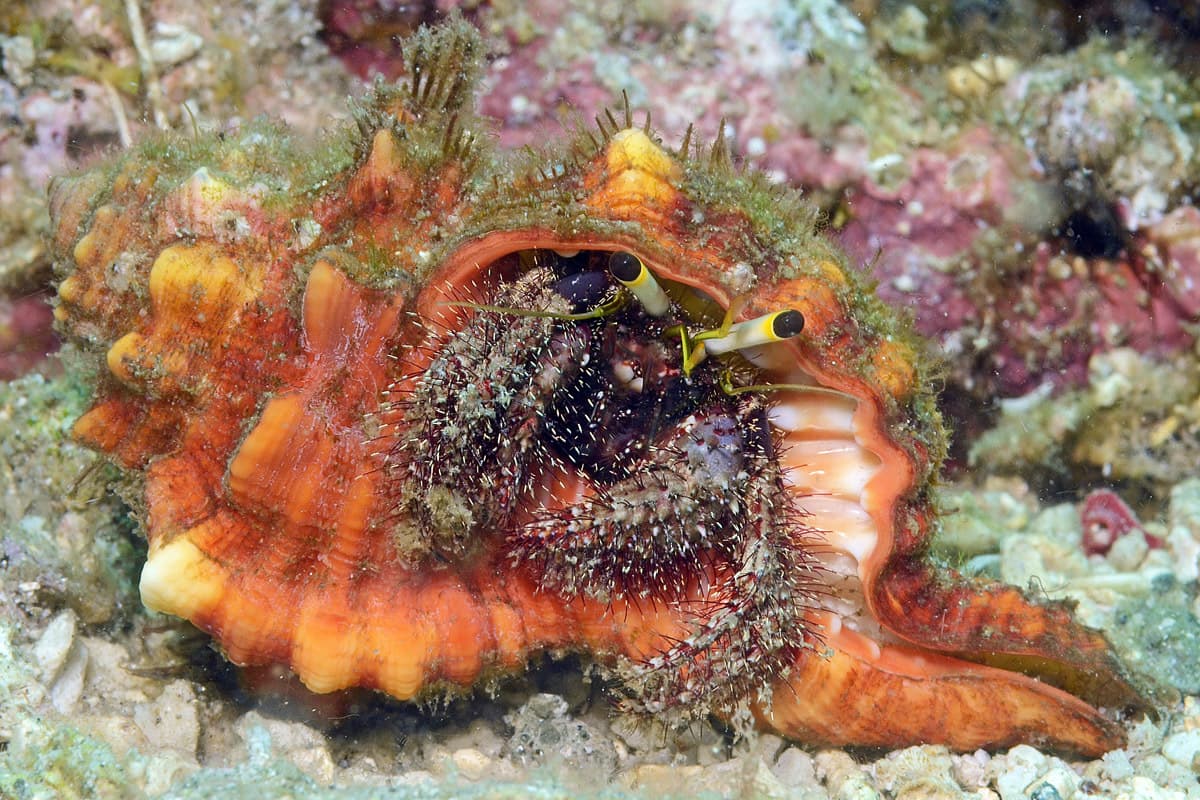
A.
x: 628, y: 270
x: 631, y: 273
x: 774, y: 327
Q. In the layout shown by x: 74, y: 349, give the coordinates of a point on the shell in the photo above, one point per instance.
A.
x: 271, y: 319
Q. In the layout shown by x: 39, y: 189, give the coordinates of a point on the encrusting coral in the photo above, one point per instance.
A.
x: 407, y: 412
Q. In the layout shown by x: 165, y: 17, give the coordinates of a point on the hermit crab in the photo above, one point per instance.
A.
x: 406, y: 411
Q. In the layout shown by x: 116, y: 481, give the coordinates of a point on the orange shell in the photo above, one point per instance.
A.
x: 246, y: 311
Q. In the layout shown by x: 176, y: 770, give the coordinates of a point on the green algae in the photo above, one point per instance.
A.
x: 59, y: 761
x: 1159, y: 636
x: 975, y: 521
x: 44, y: 757
x: 62, y: 533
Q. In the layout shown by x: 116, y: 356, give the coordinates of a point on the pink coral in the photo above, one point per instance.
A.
x: 1105, y: 518
x: 1021, y: 313
x: 922, y: 228
x: 26, y: 335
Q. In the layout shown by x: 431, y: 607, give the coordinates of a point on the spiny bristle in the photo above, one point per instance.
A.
x: 612, y: 121
x: 631, y: 545
x: 719, y: 157
x: 748, y: 629
x: 605, y: 133
x: 443, y: 67
x: 685, y: 147
x: 595, y: 144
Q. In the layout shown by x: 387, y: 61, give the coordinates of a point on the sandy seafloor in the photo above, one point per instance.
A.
x: 1004, y: 164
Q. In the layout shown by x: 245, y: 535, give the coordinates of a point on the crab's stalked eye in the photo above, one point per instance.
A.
x: 768, y: 328
x: 631, y: 273
x: 786, y: 324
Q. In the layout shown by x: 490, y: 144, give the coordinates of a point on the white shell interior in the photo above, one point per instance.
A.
x: 827, y: 468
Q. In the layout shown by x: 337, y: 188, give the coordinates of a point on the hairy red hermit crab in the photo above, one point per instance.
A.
x: 407, y: 411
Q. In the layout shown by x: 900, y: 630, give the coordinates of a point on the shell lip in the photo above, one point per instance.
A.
x: 460, y: 274
x: 478, y: 264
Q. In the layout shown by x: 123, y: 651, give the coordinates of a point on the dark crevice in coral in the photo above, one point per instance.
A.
x: 971, y: 416
x: 1091, y: 227
x: 1094, y: 231
x: 1174, y: 24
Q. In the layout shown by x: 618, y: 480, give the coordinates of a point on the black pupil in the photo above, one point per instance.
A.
x: 788, y: 324
x: 624, y: 266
